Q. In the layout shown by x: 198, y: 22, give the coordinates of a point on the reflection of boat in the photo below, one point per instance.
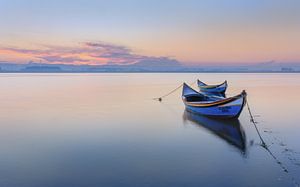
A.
x: 220, y: 88
x: 212, y: 105
x: 229, y: 130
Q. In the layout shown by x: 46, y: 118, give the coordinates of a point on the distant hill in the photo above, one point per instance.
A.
x: 42, y: 69
x: 160, y: 64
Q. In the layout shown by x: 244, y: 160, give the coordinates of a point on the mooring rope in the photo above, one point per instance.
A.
x: 264, y: 145
x: 169, y: 93
x: 252, y: 120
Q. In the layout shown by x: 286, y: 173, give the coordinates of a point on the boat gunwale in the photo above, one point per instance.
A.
x: 205, y: 86
x: 213, y: 103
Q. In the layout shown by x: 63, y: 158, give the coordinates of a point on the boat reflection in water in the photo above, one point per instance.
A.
x: 229, y: 130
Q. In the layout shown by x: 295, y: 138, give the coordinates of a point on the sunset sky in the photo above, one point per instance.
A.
x: 125, y: 31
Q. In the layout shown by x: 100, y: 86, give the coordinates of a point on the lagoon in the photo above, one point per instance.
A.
x: 60, y: 130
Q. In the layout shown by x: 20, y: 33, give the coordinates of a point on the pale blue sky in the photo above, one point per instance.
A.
x: 191, y: 30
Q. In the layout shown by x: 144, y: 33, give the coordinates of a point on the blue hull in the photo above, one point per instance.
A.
x: 214, y: 90
x: 221, y: 88
x: 213, y: 106
x: 217, y: 111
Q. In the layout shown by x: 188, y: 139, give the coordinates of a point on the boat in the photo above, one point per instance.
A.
x: 220, y: 88
x: 212, y: 105
x: 230, y: 131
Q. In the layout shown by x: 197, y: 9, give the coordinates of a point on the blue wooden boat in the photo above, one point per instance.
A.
x: 212, y: 105
x: 229, y: 130
x: 220, y: 88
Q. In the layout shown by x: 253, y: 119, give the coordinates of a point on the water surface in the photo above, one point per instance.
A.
x: 60, y: 130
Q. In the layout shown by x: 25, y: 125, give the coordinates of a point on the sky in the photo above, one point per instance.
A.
x: 126, y: 31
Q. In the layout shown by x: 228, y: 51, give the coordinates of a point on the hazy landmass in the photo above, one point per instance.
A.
x: 105, y: 57
x: 162, y: 64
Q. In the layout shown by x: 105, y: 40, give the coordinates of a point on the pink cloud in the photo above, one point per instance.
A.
x: 94, y: 53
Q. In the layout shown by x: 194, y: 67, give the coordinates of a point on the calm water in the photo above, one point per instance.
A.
x: 69, y: 130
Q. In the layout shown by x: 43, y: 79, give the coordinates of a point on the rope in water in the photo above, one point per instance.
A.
x: 160, y: 98
x: 169, y: 93
x: 254, y: 123
x: 264, y: 145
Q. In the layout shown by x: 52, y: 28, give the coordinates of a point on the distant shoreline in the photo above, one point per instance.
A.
x: 24, y: 72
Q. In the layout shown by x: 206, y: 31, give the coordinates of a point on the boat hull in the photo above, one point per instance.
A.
x: 211, y: 106
x: 217, y: 111
x: 213, y: 88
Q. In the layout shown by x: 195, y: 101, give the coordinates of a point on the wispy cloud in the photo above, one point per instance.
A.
x: 93, y: 53
x: 57, y: 58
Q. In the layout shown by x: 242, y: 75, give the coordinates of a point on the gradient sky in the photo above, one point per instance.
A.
x: 191, y: 31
